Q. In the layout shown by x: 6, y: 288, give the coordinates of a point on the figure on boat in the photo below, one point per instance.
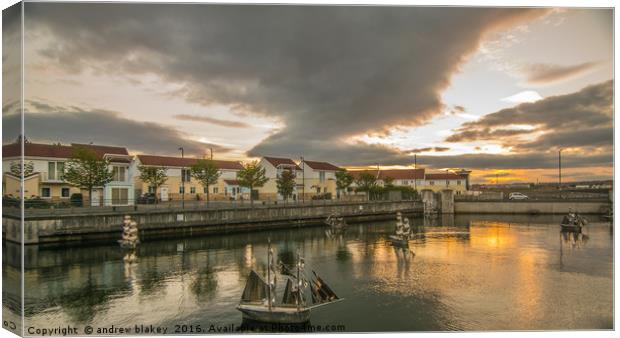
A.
x: 573, y: 222
x: 403, y: 231
x: 259, y: 300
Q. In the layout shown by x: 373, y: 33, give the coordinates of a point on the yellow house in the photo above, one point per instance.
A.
x: 274, y: 166
x: 181, y: 185
x: 319, y: 178
x: 47, y: 163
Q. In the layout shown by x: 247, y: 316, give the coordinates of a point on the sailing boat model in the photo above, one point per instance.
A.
x: 258, y: 302
x: 403, y: 231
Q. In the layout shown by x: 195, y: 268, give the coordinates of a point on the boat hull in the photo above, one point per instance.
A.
x: 570, y: 227
x: 277, y: 314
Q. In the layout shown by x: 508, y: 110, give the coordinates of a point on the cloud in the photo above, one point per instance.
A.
x: 524, y: 96
x: 542, y: 73
x: 211, y: 120
x: 580, y: 119
x: 327, y: 72
x: 428, y: 149
x: 72, y: 124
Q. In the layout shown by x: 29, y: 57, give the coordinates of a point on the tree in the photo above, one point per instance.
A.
x: 206, y: 172
x: 366, y: 182
x: 252, y: 176
x: 343, y: 180
x: 86, y: 170
x: 155, y: 177
x: 16, y: 168
x: 388, y: 182
x: 286, y: 184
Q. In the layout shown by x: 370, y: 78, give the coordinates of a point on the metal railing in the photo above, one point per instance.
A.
x: 38, y: 206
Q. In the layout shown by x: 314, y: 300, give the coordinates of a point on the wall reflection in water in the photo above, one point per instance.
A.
x: 465, y: 272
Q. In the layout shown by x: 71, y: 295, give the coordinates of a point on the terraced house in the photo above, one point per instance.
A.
x: 44, y: 166
x: 419, y: 179
x: 274, y: 166
x: 319, y: 178
x: 181, y: 185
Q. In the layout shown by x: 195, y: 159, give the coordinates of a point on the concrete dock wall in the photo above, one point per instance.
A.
x: 166, y: 223
x: 530, y: 207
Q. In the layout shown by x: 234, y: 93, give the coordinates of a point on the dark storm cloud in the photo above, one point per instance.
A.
x: 101, y: 127
x: 580, y: 119
x: 545, y: 73
x: 211, y: 120
x: 326, y: 72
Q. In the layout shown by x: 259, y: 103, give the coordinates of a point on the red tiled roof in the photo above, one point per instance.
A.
x: 397, y: 174
x: 444, y: 176
x: 276, y: 161
x: 231, y: 182
x: 402, y: 174
x: 167, y: 161
x: 321, y: 165
x: 57, y: 150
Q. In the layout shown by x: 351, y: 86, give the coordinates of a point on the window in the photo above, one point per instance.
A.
x: 118, y: 173
x: 45, y: 192
x: 64, y: 192
x: 205, y: 190
x: 215, y: 190
x: 151, y: 190
x: 321, y: 176
x: 186, y: 175
x: 447, y: 183
x: 181, y: 190
x: 120, y: 196
x: 405, y: 182
x: 431, y: 182
x: 55, y: 170
x: 458, y: 182
x: 192, y: 190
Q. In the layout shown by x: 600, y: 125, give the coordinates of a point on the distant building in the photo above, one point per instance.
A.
x: 418, y: 179
x: 48, y: 163
x: 181, y: 185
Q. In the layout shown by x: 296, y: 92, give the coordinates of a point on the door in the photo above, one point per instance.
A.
x: 163, y: 194
x: 94, y: 200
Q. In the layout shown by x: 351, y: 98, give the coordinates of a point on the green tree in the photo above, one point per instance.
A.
x: 286, y: 184
x: 252, y: 176
x: 343, y: 180
x: 366, y: 182
x: 154, y: 176
x: 388, y: 182
x: 86, y: 170
x: 206, y: 172
x: 16, y: 168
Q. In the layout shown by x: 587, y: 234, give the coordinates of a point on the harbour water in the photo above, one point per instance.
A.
x: 473, y: 272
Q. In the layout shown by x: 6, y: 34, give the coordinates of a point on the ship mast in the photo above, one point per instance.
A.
x: 269, y: 273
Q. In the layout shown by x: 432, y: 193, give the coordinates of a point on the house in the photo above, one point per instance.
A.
x: 319, y: 178
x: 418, y: 179
x: 274, y: 166
x: 45, y: 165
x: 181, y: 185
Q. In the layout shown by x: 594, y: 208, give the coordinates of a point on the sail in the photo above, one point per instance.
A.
x: 321, y: 292
x: 255, y: 289
x: 290, y: 293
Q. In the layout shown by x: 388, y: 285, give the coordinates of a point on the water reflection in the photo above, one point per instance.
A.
x: 465, y: 272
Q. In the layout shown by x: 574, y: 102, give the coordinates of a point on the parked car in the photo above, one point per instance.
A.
x: 517, y: 196
x: 148, y: 198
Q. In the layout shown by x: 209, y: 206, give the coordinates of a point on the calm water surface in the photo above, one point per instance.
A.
x: 468, y: 273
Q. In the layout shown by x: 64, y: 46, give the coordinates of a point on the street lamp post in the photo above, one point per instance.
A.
x: 560, y: 171
x: 182, y: 180
x: 303, y: 181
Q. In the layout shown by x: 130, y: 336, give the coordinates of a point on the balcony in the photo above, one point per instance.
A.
x: 45, y: 177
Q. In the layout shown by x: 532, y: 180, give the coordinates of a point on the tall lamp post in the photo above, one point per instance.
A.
x: 303, y: 181
x: 560, y: 171
x: 182, y: 180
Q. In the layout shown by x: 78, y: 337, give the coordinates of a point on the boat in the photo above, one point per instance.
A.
x: 129, y: 238
x: 573, y: 222
x: 335, y: 222
x: 403, y: 231
x: 258, y: 301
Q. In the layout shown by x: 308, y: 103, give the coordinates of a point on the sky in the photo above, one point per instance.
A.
x: 495, y: 90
